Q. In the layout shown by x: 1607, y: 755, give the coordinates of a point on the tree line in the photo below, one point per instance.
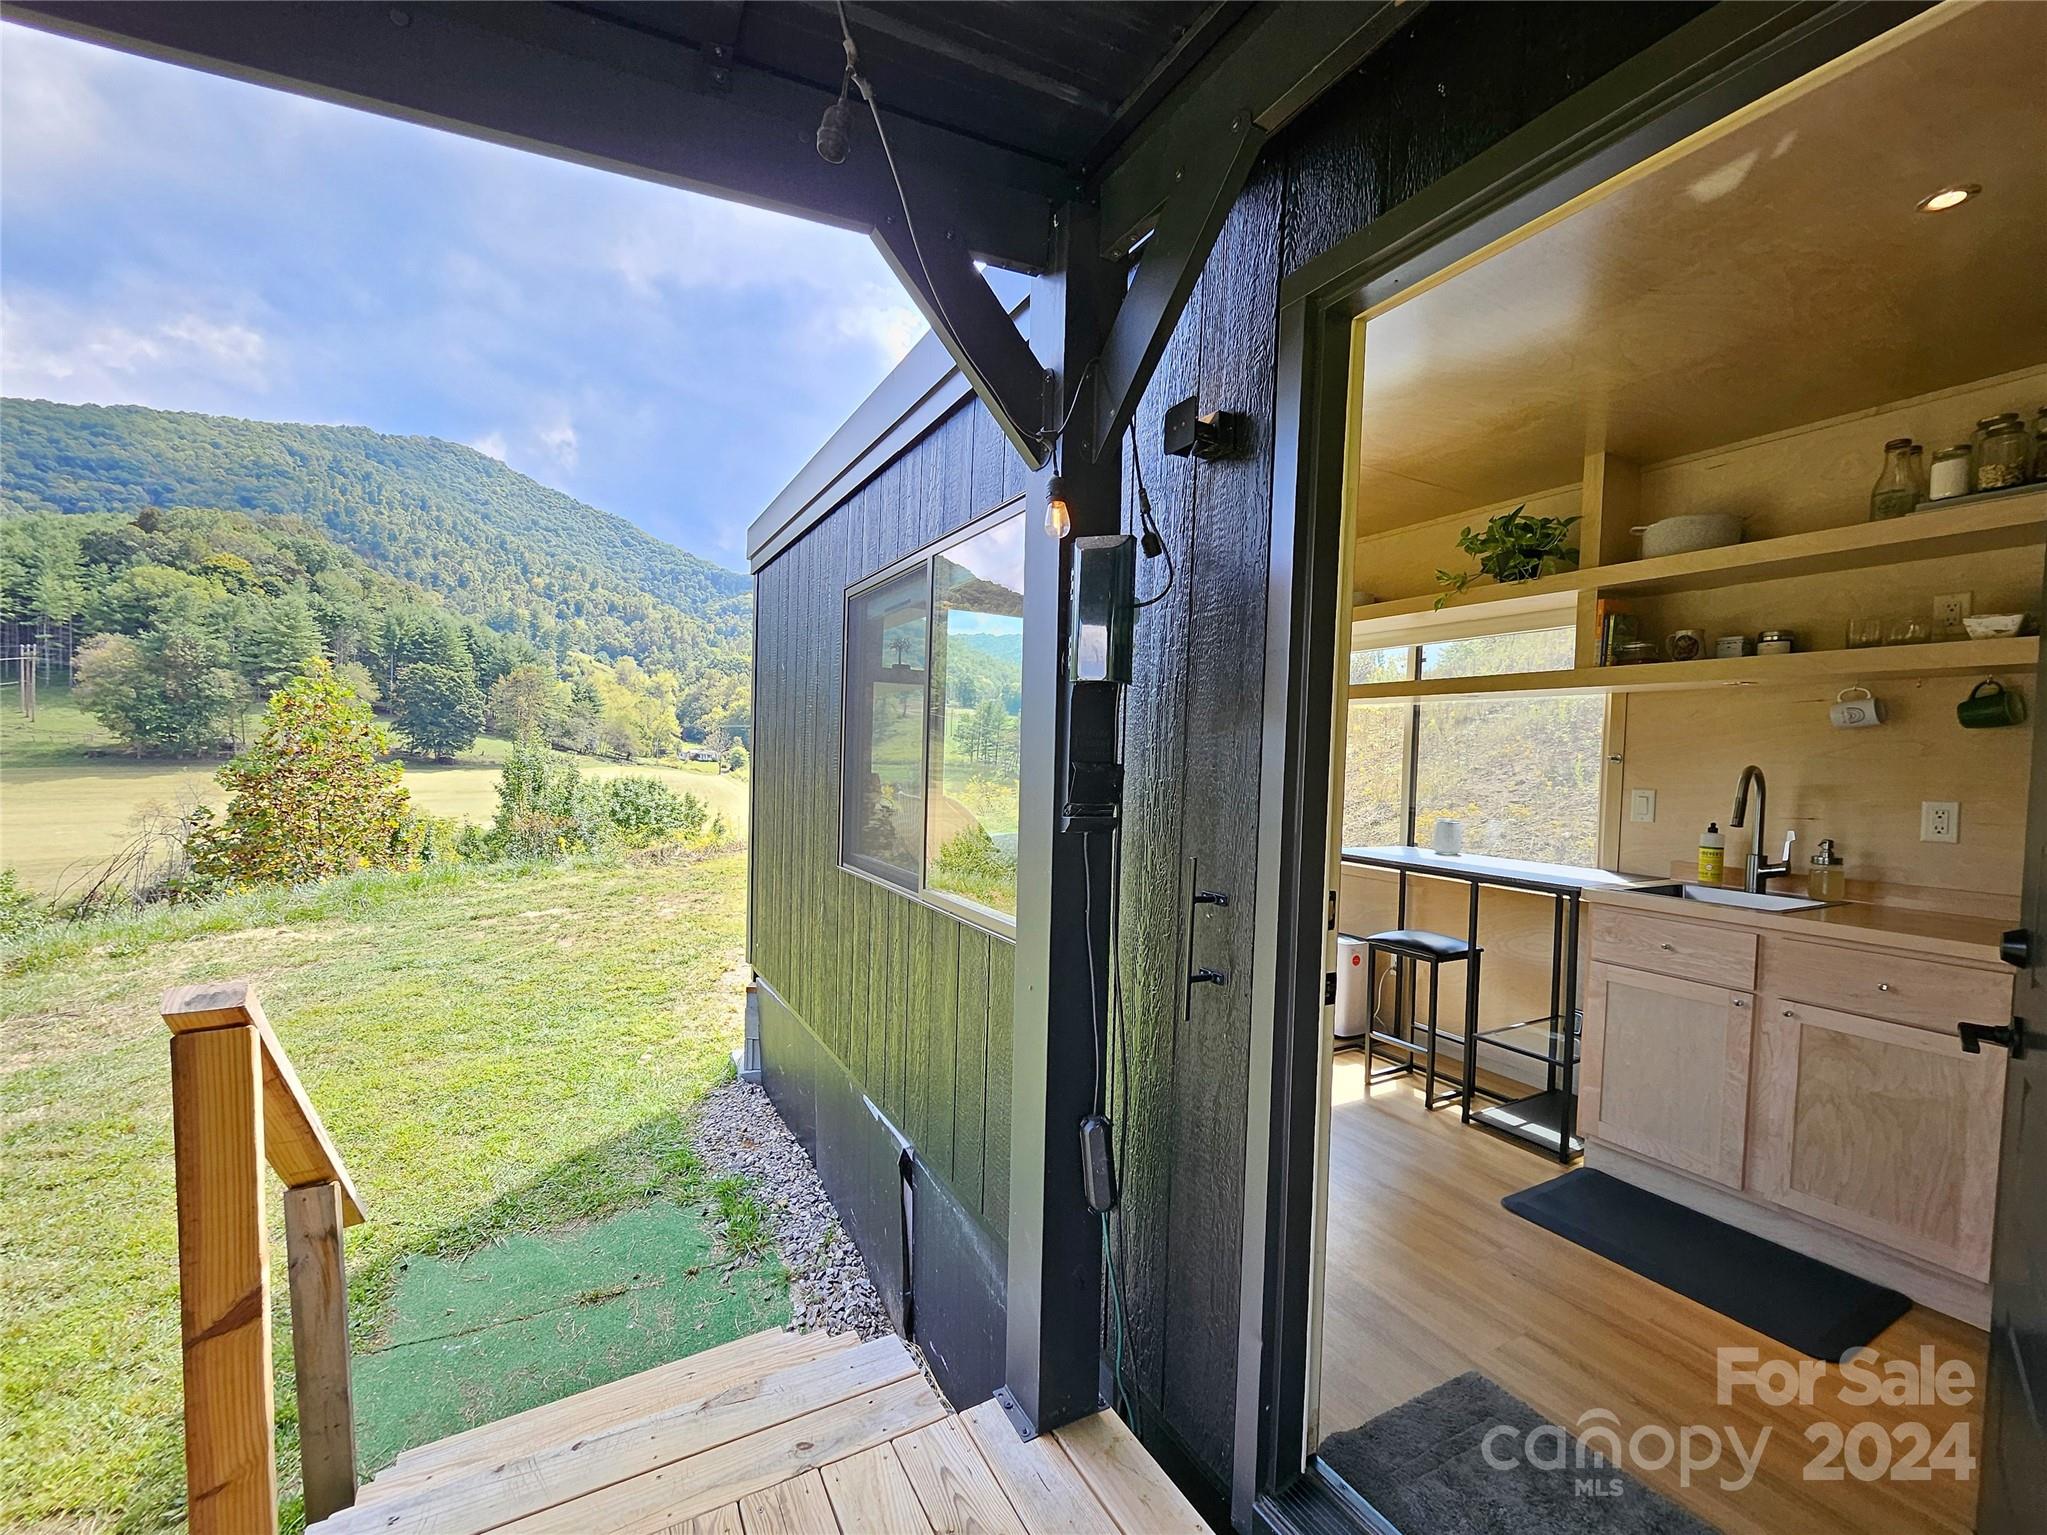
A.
x: 196, y: 616
x: 460, y: 531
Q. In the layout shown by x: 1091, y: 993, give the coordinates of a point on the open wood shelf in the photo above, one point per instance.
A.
x: 1946, y: 658
x: 1998, y: 519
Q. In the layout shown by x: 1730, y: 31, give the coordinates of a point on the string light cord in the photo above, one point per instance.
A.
x: 854, y: 74
x: 1149, y: 527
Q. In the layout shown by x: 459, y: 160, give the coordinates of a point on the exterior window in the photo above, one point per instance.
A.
x: 1521, y: 774
x: 977, y: 707
x: 934, y: 701
x: 887, y: 664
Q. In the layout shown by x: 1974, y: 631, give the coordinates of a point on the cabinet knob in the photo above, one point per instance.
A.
x: 1741, y: 1001
x: 1883, y: 985
x: 1668, y: 948
x: 1789, y: 1014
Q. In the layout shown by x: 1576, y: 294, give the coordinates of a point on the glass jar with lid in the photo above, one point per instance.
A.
x: 1950, y: 473
x: 1896, y: 491
x: 2004, y: 452
x: 2040, y: 447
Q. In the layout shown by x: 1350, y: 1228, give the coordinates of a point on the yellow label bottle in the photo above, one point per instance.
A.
x: 1712, y: 854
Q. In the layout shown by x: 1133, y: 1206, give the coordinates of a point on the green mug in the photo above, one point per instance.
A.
x: 1990, y: 704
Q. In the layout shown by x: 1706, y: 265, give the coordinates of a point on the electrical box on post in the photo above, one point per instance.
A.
x: 1103, y: 611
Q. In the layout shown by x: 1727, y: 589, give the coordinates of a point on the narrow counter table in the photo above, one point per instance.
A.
x: 1549, y: 1118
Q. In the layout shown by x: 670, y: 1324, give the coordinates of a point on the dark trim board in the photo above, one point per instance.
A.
x: 940, y: 1272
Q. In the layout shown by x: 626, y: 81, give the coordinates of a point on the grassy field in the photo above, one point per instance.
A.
x: 495, y: 1050
x: 67, y: 803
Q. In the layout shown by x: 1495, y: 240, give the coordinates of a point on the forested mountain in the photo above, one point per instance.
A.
x: 201, y: 559
x: 493, y: 544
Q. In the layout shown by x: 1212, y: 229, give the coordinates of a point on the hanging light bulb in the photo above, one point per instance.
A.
x: 1058, y: 515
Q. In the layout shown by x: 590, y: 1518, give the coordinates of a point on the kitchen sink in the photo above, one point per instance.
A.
x: 1715, y: 895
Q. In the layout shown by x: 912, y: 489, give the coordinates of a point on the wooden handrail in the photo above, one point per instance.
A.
x: 297, y: 1144
x: 235, y: 1102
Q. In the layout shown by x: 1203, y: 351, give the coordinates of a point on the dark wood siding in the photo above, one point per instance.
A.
x: 913, y: 1002
x: 1456, y: 81
x: 909, y: 1000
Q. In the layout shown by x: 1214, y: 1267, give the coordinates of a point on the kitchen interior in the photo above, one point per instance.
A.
x: 1698, y: 576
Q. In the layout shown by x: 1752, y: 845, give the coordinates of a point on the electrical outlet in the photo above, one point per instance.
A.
x: 1949, y: 611
x: 1642, y: 805
x: 1939, y: 820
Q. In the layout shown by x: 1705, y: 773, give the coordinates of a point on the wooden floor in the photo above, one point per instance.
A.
x: 777, y: 1434
x: 1428, y: 1277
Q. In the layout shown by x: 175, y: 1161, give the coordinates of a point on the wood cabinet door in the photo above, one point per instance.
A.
x: 1881, y: 1129
x: 1665, y: 1071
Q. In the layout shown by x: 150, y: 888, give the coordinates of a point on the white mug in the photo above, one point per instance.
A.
x: 1448, y: 838
x: 1851, y: 713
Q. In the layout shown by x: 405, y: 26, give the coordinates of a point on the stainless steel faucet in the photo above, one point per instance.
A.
x: 1756, y: 873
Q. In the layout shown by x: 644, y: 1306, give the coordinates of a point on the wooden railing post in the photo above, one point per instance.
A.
x: 235, y: 1103
x: 223, y: 1280
x: 319, y: 1346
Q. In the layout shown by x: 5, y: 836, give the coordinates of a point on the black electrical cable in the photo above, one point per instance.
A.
x: 1148, y: 525
x: 909, y: 223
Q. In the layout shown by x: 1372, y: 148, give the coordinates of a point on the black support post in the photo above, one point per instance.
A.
x: 1064, y: 892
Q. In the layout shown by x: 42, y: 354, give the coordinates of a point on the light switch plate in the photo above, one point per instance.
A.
x: 1642, y: 805
x: 1939, y: 820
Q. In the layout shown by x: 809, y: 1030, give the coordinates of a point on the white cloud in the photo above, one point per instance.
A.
x: 491, y: 445
x: 169, y: 355
x: 54, y: 116
x: 558, y: 437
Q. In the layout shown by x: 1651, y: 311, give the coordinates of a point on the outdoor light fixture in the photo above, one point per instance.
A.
x: 1948, y: 197
x: 1058, y: 515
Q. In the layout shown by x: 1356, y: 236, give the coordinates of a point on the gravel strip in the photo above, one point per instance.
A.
x: 738, y: 1131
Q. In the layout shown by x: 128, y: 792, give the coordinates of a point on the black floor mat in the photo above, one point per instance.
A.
x: 1801, y: 1302
x: 1437, y: 1466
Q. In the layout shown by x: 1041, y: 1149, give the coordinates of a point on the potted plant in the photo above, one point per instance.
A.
x: 1513, y: 547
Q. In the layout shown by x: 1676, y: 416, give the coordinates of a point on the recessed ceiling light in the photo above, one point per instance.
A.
x: 1948, y: 197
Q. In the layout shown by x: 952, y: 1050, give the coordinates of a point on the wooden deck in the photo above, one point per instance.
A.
x: 777, y: 1434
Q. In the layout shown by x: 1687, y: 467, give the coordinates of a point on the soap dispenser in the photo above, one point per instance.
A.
x: 1712, y: 854
x: 1827, y: 879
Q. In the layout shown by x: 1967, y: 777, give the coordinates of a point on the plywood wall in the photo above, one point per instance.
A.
x: 1861, y: 787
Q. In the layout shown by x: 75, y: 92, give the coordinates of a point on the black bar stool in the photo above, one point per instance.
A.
x: 1416, y: 947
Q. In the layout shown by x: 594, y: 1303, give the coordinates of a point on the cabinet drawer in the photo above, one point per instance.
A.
x: 1881, y: 984
x: 1698, y: 951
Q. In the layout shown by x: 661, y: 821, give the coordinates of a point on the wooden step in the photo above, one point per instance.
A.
x: 496, y: 1490
x: 624, y: 1400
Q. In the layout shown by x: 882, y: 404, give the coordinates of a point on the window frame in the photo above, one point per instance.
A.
x: 851, y: 861
x: 1411, y: 637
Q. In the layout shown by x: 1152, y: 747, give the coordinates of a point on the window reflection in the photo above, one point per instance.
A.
x: 977, y: 709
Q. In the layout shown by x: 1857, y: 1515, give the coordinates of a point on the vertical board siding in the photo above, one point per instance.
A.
x: 903, y: 995
x: 918, y: 1007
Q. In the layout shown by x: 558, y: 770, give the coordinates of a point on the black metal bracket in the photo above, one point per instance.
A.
x: 965, y: 315
x: 2010, y: 1035
x: 1213, y: 161
x: 1218, y: 434
x: 1207, y: 977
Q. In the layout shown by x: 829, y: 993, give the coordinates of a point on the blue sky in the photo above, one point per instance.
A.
x: 172, y: 239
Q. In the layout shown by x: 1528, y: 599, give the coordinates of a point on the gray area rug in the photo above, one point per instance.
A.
x: 1423, y: 1465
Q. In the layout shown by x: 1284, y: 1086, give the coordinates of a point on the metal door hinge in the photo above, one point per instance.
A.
x: 2012, y: 1036
x: 2016, y: 948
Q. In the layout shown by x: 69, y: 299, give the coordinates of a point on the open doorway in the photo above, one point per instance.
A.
x: 1670, y: 861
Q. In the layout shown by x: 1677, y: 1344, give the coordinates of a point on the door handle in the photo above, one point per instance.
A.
x: 2010, y: 1035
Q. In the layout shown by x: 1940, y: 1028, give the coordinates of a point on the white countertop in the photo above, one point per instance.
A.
x: 1478, y: 866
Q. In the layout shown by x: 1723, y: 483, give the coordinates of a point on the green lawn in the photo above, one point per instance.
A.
x: 67, y: 803
x: 495, y: 1051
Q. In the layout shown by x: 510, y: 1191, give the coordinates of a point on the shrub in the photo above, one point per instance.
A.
x: 20, y: 912
x: 312, y: 798
x: 973, y: 864
x: 439, y: 709
x: 545, y: 809
x: 645, y: 810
